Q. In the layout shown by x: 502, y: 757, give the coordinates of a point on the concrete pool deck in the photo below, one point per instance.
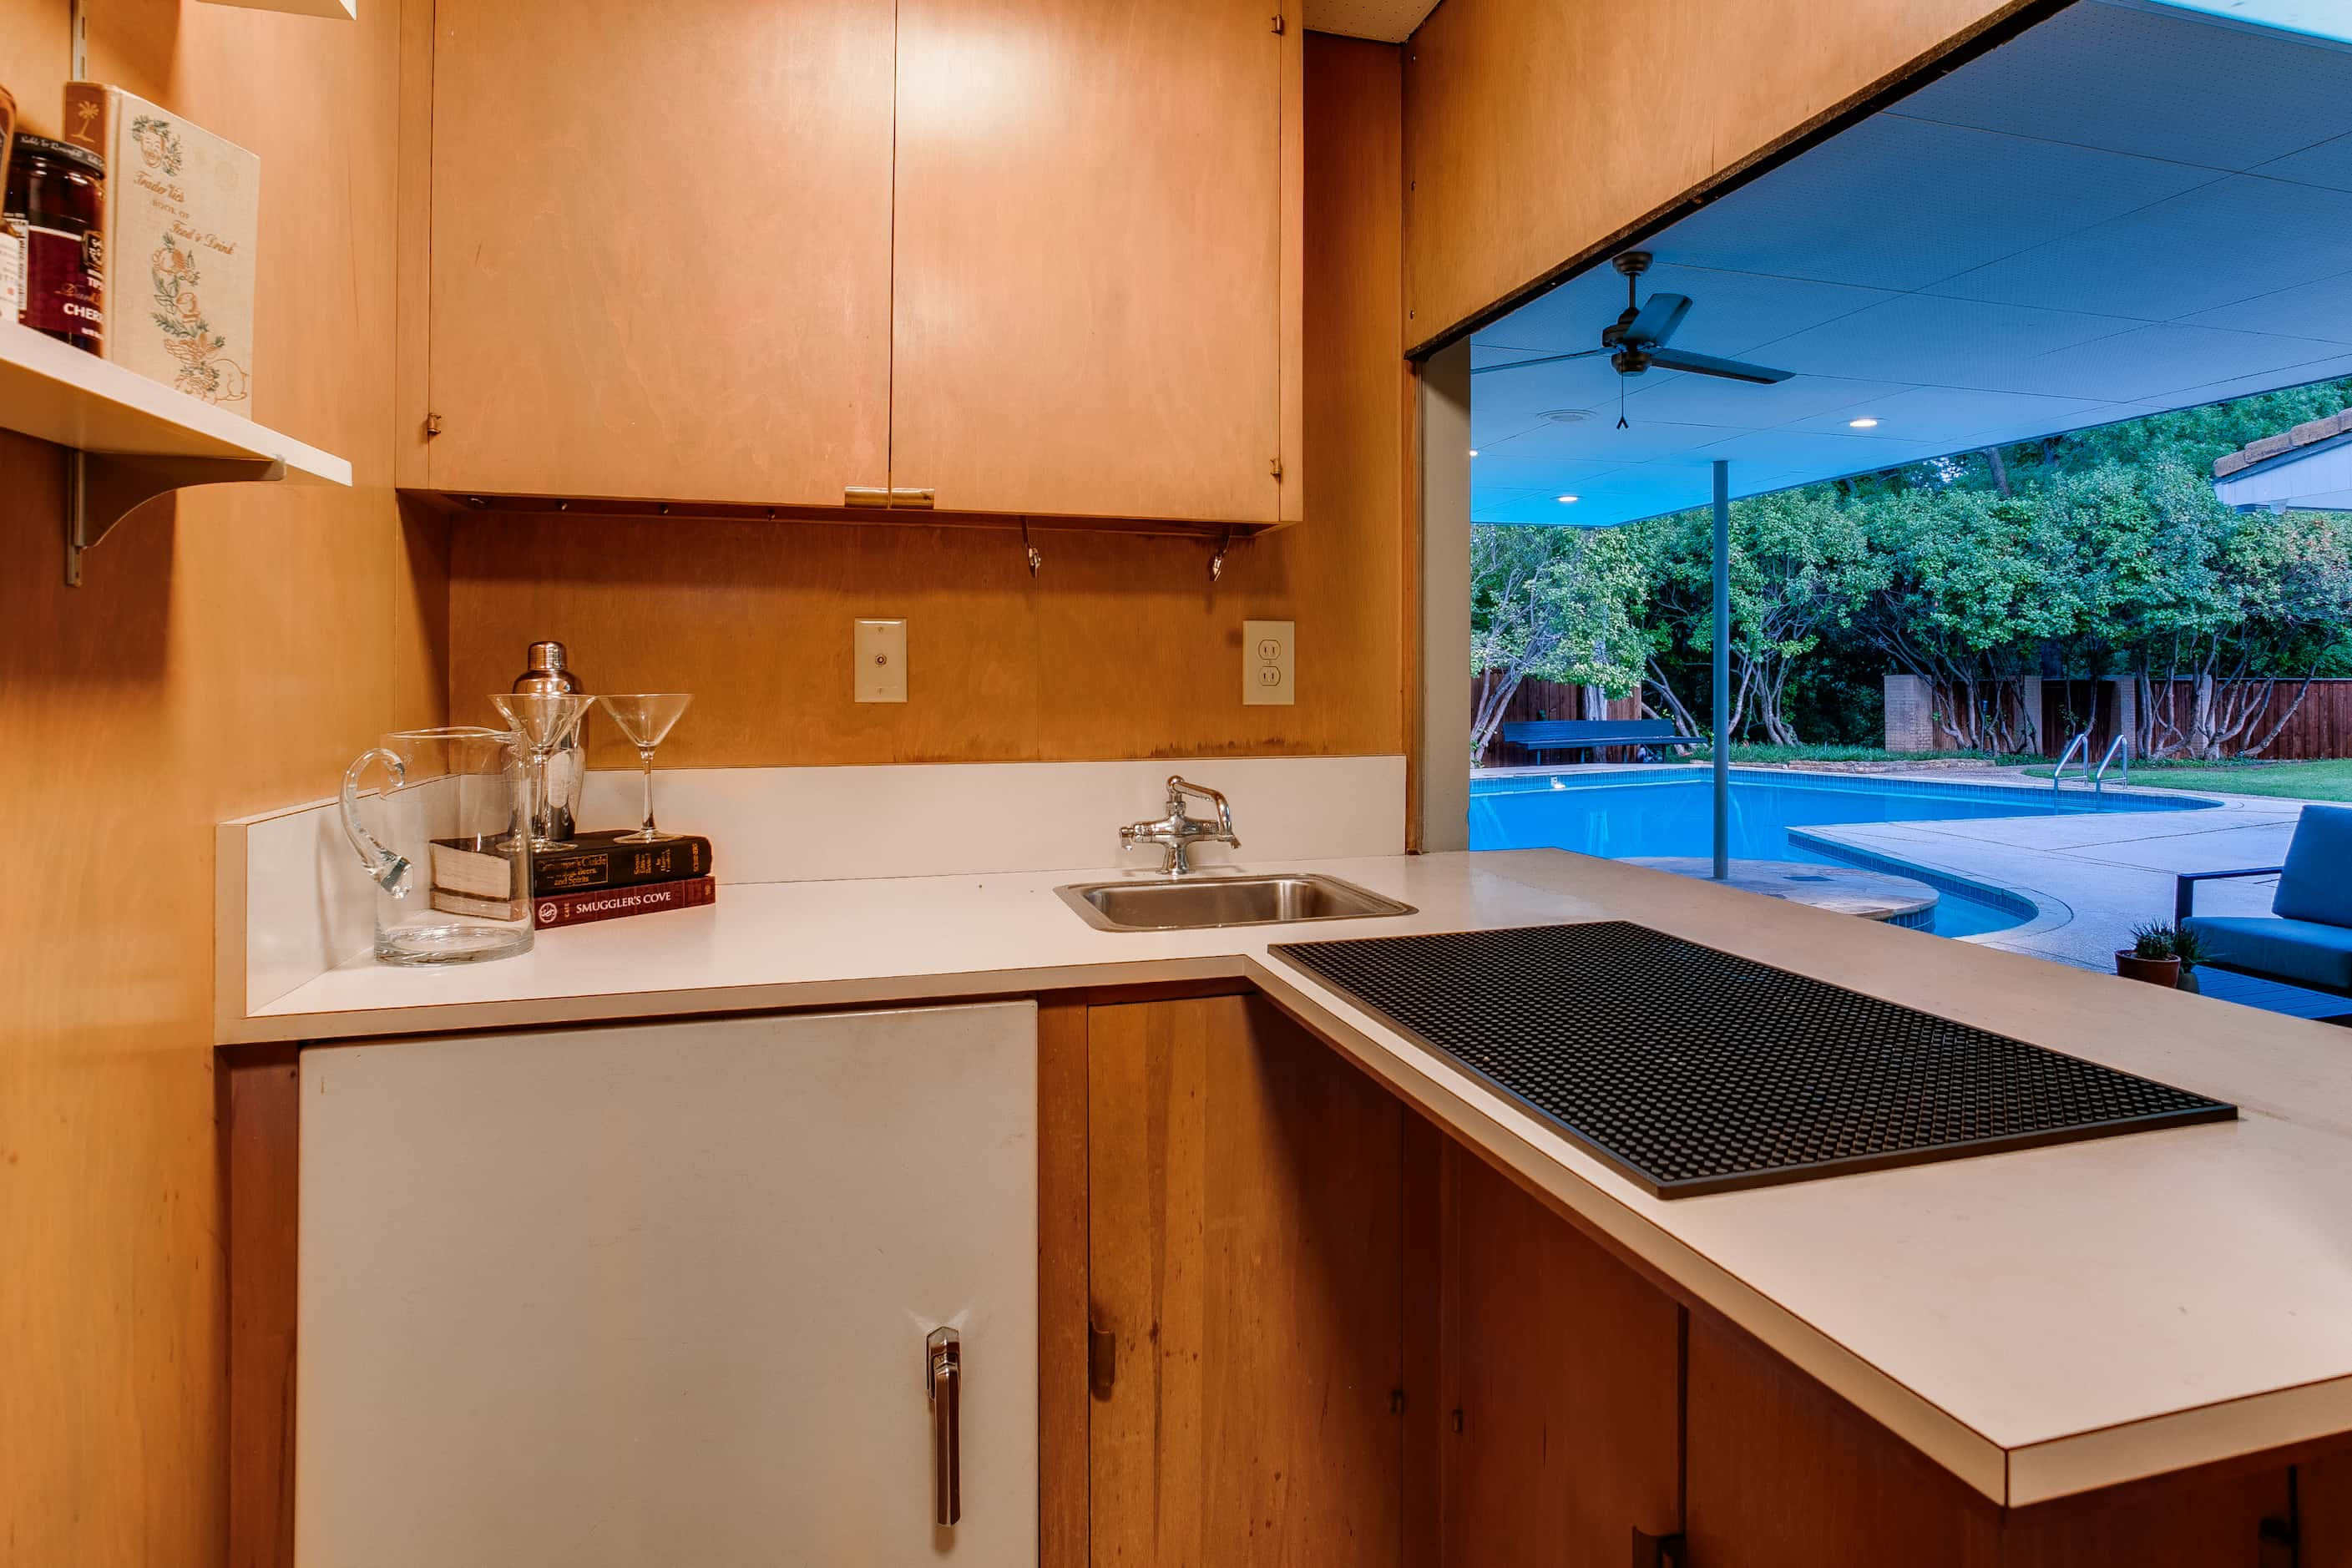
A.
x: 2096, y: 875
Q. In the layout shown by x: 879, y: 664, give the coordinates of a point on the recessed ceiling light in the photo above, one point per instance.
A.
x: 1563, y: 500
x: 1474, y: 451
x: 1864, y: 422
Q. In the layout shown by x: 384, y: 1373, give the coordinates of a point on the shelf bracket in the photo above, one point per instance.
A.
x: 104, y: 487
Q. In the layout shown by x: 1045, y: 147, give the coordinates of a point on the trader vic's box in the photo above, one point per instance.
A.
x: 183, y: 211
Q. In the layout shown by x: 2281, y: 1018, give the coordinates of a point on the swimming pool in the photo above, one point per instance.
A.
x: 1629, y: 812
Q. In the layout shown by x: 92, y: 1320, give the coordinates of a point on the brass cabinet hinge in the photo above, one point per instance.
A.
x: 1102, y: 1361
x: 1277, y: 22
x: 432, y: 426
x: 2282, y: 1538
x: 1659, y: 1550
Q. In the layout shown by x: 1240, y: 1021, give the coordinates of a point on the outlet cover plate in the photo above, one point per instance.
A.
x: 879, y: 661
x: 1269, y: 664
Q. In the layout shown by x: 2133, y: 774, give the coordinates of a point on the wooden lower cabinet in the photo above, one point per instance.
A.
x: 1305, y: 1283
x: 1343, y: 1338
x: 1242, y: 1253
x: 1559, y: 1384
x: 1784, y: 1474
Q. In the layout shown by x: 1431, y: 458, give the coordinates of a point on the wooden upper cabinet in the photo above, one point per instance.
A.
x: 1095, y: 272
x: 661, y: 248
x: 1039, y: 256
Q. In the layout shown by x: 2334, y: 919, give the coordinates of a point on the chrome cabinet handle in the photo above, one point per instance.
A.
x: 943, y: 1380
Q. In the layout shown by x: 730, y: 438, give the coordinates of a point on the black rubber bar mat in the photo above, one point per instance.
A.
x: 1696, y: 1071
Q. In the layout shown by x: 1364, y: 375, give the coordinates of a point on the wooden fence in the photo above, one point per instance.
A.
x: 2321, y: 727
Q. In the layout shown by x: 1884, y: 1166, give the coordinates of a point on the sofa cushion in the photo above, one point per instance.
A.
x: 2317, y: 883
x: 2301, y: 952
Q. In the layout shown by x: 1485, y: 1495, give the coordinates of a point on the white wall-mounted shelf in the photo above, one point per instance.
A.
x: 334, y: 10
x: 135, y: 438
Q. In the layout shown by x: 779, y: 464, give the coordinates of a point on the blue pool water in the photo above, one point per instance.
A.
x: 1636, y: 812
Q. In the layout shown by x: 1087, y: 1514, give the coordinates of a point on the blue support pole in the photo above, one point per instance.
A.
x: 1722, y: 670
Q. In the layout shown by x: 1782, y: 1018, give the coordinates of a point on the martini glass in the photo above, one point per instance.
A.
x: 646, y: 718
x: 543, y: 721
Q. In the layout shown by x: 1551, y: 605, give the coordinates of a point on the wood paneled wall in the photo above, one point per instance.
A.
x: 1539, y: 136
x: 1121, y: 646
x: 230, y: 651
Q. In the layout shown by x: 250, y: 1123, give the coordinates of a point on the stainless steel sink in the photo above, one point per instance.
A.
x: 1199, y: 903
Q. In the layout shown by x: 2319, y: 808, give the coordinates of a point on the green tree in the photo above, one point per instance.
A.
x: 1550, y: 603
x: 1968, y: 586
x: 1800, y: 570
x: 2207, y: 611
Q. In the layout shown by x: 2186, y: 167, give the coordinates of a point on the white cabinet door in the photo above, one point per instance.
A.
x: 659, y: 1294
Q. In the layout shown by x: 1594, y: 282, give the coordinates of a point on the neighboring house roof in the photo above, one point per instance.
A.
x: 2308, y: 433
x: 2308, y: 467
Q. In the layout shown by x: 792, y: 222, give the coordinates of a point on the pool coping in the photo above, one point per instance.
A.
x: 2041, y: 911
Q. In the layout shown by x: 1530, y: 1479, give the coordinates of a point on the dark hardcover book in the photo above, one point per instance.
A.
x: 549, y: 913
x: 597, y: 860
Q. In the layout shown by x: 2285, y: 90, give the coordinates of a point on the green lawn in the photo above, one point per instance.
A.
x: 2330, y: 780
x: 1745, y: 751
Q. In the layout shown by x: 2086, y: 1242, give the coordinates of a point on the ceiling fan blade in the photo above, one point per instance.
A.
x: 1541, y: 359
x: 1707, y: 365
x: 1661, y: 314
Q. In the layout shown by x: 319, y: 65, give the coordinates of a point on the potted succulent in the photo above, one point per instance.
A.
x: 2161, y: 954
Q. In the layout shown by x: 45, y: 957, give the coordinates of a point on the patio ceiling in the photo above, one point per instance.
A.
x: 2131, y: 208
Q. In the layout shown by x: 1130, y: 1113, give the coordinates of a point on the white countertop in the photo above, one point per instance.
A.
x: 2041, y: 1323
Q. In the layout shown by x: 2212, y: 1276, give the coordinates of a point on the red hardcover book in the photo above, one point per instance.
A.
x: 559, y: 909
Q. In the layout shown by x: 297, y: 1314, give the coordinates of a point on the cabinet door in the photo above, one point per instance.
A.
x: 1561, y: 1380
x: 1243, y: 1252
x: 660, y: 1294
x: 1088, y: 313
x: 661, y: 248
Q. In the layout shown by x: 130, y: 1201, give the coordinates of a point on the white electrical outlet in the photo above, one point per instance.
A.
x: 879, y: 657
x: 1269, y: 662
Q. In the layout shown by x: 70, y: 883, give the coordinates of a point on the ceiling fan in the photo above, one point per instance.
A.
x: 1637, y: 339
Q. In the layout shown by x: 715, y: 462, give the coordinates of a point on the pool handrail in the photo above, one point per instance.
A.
x: 2120, y: 745
x: 2082, y: 744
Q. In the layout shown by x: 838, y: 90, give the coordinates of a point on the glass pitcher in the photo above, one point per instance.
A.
x: 452, y: 875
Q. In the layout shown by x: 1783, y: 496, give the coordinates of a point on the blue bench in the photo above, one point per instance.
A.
x: 1541, y: 735
x: 2306, y: 939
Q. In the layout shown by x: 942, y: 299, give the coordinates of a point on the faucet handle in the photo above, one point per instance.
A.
x: 1178, y: 788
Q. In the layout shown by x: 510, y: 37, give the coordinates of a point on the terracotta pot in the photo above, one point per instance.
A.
x: 2163, y: 972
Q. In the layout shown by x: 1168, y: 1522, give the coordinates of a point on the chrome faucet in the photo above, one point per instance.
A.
x: 1177, y: 832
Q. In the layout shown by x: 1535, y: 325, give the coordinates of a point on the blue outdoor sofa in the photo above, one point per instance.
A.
x: 2306, y: 939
